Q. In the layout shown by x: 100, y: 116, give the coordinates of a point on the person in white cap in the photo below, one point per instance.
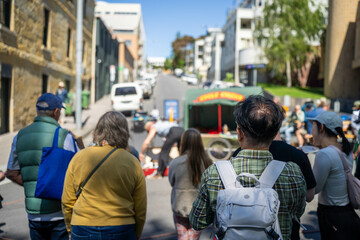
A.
x: 337, y: 218
x: 62, y: 93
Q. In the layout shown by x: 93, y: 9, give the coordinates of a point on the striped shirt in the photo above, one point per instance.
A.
x: 290, y: 186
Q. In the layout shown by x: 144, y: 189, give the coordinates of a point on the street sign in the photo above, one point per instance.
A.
x: 252, y: 66
x: 171, y: 109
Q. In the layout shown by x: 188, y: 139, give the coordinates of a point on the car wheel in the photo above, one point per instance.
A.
x: 219, y: 149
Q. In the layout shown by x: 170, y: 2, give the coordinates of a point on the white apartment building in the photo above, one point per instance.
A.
x: 156, y: 61
x: 240, y: 55
x: 126, y: 22
x: 214, y: 72
x: 203, y: 51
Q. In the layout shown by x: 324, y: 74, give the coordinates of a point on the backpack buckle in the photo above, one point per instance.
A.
x: 220, y: 234
x: 272, y: 234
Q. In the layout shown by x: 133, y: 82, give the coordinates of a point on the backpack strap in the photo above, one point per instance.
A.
x: 271, y: 173
x: 227, y: 173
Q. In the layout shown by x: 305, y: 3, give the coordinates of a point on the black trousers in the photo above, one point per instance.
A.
x: 338, y: 222
x: 173, y: 136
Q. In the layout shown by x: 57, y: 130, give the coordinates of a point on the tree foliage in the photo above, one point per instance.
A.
x: 167, y: 64
x: 178, y: 47
x: 286, y: 32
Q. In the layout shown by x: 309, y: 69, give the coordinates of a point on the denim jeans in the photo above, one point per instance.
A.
x: 49, y: 230
x: 126, y: 232
x: 288, y: 131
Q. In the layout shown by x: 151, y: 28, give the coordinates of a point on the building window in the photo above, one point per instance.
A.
x: 128, y: 43
x: 83, y: 52
x: 45, y: 79
x: 120, y: 31
x: 245, y: 23
x: 84, y: 9
x: 5, y: 10
x: 46, y: 26
x: 107, y: 13
x: 68, y: 43
x: 125, y: 13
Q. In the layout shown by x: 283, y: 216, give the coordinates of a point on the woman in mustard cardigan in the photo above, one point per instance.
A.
x: 112, y: 204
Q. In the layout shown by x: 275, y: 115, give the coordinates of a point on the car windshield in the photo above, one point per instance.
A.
x: 125, y: 91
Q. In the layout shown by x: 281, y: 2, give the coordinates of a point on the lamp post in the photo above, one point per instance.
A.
x: 79, y: 23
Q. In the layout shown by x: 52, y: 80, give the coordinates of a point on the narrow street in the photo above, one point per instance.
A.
x: 159, y: 222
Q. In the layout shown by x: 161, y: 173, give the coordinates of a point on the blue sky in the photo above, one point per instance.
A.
x: 164, y: 18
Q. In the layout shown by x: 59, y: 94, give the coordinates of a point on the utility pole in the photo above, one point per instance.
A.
x: 79, y: 23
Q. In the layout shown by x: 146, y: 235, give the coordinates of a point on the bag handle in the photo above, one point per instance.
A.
x: 345, y: 166
x: 77, y: 194
x: 56, y: 138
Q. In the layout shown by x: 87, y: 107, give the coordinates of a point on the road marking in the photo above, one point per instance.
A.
x: 13, y: 202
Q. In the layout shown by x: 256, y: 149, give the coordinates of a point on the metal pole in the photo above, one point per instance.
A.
x: 79, y: 24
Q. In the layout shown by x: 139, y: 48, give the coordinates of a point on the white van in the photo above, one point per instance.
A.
x: 126, y: 97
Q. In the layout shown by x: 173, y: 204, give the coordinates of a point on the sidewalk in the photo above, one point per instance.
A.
x: 89, y: 119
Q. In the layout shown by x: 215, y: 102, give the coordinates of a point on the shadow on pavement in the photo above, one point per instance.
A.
x: 311, y: 225
x: 157, y: 230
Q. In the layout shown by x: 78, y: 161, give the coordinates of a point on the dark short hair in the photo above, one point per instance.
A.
x: 113, y: 128
x: 259, y: 118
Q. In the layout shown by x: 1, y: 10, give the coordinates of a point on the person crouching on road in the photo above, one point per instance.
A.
x: 184, y: 176
x: 112, y: 204
x: 172, y: 132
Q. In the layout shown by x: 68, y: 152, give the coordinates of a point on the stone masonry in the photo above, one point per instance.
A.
x: 21, y: 46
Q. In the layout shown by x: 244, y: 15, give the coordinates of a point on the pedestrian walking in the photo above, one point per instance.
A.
x: 169, y: 130
x: 104, y: 193
x: 337, y: 218
x: 258, y: 121
x: 184, y: 176
x: 62, y: 93
x: 46, y: 220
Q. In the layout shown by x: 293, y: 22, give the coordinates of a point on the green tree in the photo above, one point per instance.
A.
x: 179, y: 52
x: 167, y: 63
x: 286, y: 32
x: 229, y: 77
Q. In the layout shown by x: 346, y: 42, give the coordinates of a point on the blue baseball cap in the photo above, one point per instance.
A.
x: 49, y: 101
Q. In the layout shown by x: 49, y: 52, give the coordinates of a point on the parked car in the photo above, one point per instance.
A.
x: 151, y: 78
x: 145, y: 87
x: 190, y: 79
x: 222, y: 84
x: 126, y: 97
x: 178, y: 72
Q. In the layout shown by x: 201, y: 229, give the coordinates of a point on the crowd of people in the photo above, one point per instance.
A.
x: 104, y: 191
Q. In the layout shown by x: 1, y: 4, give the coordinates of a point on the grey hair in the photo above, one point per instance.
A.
x: 112, y: 128
x: 40, y: 112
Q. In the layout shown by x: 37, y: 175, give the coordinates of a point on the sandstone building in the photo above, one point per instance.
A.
x: 342, y: 59
x: 37, y: 50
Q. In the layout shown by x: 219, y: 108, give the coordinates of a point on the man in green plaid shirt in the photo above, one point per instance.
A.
x: 258, y: 121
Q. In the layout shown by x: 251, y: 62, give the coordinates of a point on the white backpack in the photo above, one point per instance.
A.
x: 248, y: 212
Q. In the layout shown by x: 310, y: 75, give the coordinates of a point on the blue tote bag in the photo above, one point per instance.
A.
x: 52, y: 170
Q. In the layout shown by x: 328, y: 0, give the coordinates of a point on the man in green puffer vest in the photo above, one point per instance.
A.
x: 46, y: 220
